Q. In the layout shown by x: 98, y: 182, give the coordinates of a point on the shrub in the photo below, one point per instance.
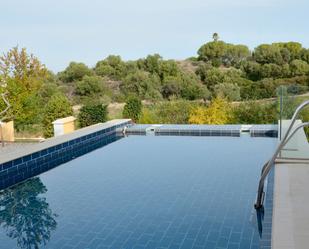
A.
x: 57, y: 107
x: 227, y: 90
x: 218, y: 112
x: 194, y: 91
x: 148, y: 116
x: 174, y: 112
x: 92, y: 113
x: 168, y: 112
x: 132, y: 109
x: 253, y: 112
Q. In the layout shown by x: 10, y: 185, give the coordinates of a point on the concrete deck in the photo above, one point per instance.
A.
x: 17, y: 151
x: 290, y: 229
x: 12, y: 148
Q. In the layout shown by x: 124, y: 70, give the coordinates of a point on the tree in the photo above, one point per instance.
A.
x: 152, y: 63
x: 294, y: 49
x: 252, y: 70
x: 219, y: 52
x: 195, y: 91
x: 168, y: 68
x: 268, y: 53
x: 23, y: 75
x: 271, y: 70
x: 132, y: 108
x: 235, y: 54
x: 192, y: 88
x: 141, y: 84
x: 92, y: 113
x: 218, y: 112
x: 74, y: 72
x: 47, y: 90
x: 212, y: 51
x: 299, y: 67
x: 305, y: 55
x: 57, y: 107
x: 215, y: 36
x: 112, y: 67
x: 265, y: 88
x: 171, y: 87
x: 25, y: 214
x: 211, y: 76
x: 90, y: 86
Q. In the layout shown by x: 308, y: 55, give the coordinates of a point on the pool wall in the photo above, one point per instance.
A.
x: 203, y: 130
x: 55, y: 151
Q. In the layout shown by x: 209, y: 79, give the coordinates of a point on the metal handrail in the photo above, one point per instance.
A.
x: 267, y: 167
x: 302, y: 125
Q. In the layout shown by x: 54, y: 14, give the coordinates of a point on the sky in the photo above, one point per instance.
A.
x: 58, y: 32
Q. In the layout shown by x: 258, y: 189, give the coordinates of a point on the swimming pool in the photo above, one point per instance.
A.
x: 142, y: 192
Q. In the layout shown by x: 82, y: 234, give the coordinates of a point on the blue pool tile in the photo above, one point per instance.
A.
x: 187, y: 244
x: 159, y: 201
x: 233, y: 246
x: 213, y: 236
x: 235, y: 237
x: 210, y: 245
x: 222, y: 242
x: 245, y: 244
x: 17, y: 161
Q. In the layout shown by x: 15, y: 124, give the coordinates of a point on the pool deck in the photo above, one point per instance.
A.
x: 291, y: 197
x: 16, y: 150
x: 13, y: 148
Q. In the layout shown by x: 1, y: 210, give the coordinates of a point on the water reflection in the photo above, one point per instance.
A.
x: 25, y: 215
x: 260, y: 218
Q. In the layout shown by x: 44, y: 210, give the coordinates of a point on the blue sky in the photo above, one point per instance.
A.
x: 71, y: 30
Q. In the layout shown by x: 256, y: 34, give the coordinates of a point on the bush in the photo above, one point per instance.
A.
x: 148, y: 116
x: 132, y: 109
x: 167, y: 112
x: 92, y: 113
x: 57, y: 107
x: 227, y: 90
x: 254, y: 112
x: 218, y: 112
x: 174, y: 112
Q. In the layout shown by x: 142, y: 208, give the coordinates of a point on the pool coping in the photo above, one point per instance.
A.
x: 290, y: 217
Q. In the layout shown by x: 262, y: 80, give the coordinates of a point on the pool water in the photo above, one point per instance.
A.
x: 142, y: 192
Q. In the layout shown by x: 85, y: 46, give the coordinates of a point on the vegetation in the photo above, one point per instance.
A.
x: 57, y: 107
x: 92, y: 113
x: 132, y: 108
x: 218, y: 112
x: 173, y: 91
x: 23, y: 75
x: 255, y: 113
x: 168, y: 112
